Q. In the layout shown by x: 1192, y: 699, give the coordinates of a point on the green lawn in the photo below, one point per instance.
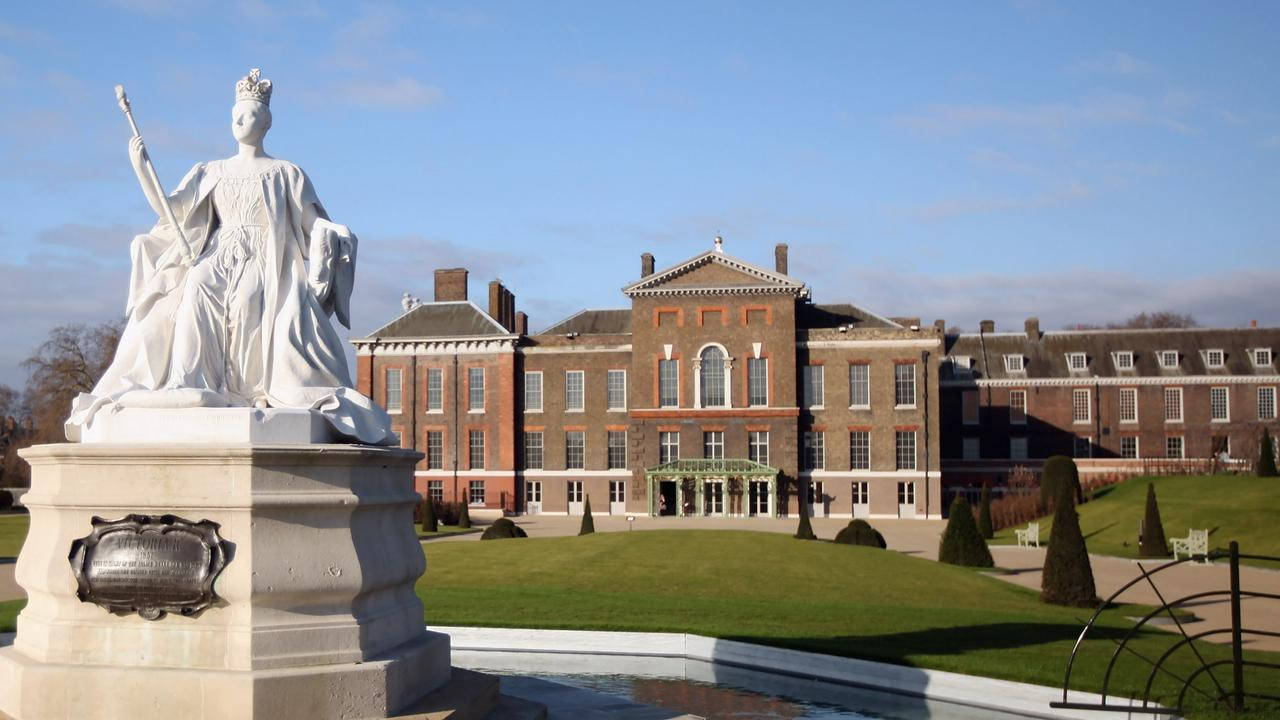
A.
x: 447, y: 530
x: 772, y: 589
x: 1240, y: 508
x: 13, y: 530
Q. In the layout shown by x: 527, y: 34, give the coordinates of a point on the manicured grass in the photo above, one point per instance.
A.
x: 13, y: 530
x: 771, y: 589
x: 1232, y: 507
x: 447, y: 530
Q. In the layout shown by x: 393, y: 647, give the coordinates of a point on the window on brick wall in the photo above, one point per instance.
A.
x: 859, y: 449
x: 860, y: 386
x: 475, y: 389
x: 713, y: 444
x: 860, y: 492
x: 905, y: 444
x: 1129, y: 447
x: 1017, y: 448
x: 574, y: 390
x: 758, y: 381
x: 1080, y: 406
x: 969, y: 407
x: 1266, y: 403
x: 814, y: 456
x: 533, y: 450
x: 575, y: 450
x: 668, y: 446
x: 533, y: 391
x: 1173, y: 404
x: 435, y: 389
x: 394, y: 392
x: 1128, y: 405
x: 574, y: 491
x: 1082, y: 447
x: 904, y: 385
x: 811, y: 391
x: 1214, y: 359
x: 1077, y: 361
x: 1219, y: 404
x: 668, y: 383
x: 1261, y: 357
x: 1173, y: 447
x: 971, y: 450
x: 617, y: 449
x: 1017, y: 407
x: 475, y: 449
x: 435, y: 490
x: 435, y: 450
x: 1168, y: 359
x: 758, y: 446
x: 711, y: 378
x: 1123, y: 359
x: 617, y: 384
x: 475, y: 492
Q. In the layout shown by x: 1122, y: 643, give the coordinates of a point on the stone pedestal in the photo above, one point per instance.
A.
x: 317, y: 615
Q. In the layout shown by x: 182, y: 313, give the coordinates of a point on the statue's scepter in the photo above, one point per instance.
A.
x: 155, y: 179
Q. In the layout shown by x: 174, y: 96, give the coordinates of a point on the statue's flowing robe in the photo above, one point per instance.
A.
x: 304, y: 365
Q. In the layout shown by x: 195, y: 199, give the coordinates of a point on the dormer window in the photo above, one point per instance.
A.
x: 1123, y: 359
x: 1168, y: 359
x: 1261, y: 357
x: 1077, y: 361
x: 961, y: 366
x: 1214, y: 359
x: 1014, y: 363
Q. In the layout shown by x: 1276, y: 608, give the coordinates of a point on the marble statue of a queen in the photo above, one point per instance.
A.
x: 232, y: 308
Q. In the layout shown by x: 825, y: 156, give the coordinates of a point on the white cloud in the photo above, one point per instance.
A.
x: 402, y: 92
x: 945, y: 209
x: 1111, y: 62
x: 1052, y: 118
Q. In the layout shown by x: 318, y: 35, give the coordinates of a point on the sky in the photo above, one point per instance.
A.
x: 1076, y: 161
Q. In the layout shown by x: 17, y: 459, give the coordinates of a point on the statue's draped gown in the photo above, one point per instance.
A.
x: 245, y: 324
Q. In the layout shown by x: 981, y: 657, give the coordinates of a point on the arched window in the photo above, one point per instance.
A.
x: 712, y: 377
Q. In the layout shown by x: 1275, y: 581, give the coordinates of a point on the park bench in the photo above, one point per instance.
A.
x: 1195, y: 543
x: 1029, y: 536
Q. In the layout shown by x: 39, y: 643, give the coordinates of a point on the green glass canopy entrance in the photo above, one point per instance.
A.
x: 732, y: 487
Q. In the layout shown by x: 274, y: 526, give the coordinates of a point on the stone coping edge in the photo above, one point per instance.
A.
x: 971, y: 690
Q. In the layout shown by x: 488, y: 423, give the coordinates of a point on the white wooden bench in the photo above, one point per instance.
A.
x: 1029, y: 536
x: 1195, y: 543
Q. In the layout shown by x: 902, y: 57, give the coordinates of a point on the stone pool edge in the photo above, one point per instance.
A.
x: 970, y: 690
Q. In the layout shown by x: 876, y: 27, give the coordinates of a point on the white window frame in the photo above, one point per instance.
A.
x: 1182, y: 447
x: 1015, y: 363
x: 965, y: 417
x: 582, y: 393
x: 609, y: 437
x: 1163, y: 358
x: 758, y: 445
x: 573, y: 491
x: 819, y: 443
x: 1255, y: 353
x: 1173, y: 392
x: 759, y: 362
x: 1226, y: 403
x: 1083, y: 359
x: 583, y: 462
x: 1088, y: 406
x: 971, y: 448
x: 818, y: 381
x: 1137, y: 449
x: 661, y: 398
x: 671, y: 449
x: 388, y: 394
x: 541, y: 447
x: 1268, y: 392
x: 713, y: 444
x: 1087, y: 440
x: 898, y: 455
x: 1120, y: 405
x: 1021, y: 392
x: 608, y: 385
x: 726, y: 377
x: 867, y: 464
x: 865, y: 382
x: 427, y: 450
x: 961, y: 366
x: 438, y: 406
x: 1122, y: 359
x: 471, y: 389
x: 1209, y: 355
x: 472, y: 486
x: 1019, y: 442
x: 909, y: 384
x: 472, y: 434
x: 528, y: 406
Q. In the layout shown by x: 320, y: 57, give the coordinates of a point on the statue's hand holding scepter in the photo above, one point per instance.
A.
x: 147, y: 176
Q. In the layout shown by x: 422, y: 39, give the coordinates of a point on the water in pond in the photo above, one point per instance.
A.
x: 714, y: 691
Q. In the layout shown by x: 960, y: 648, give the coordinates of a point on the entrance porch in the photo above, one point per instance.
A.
x: 733, y: 487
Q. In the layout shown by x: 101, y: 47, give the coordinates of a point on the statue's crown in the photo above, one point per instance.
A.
x: 254, y: 87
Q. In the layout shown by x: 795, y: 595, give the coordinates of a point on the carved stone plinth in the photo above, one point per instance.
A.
x: 315, y: 614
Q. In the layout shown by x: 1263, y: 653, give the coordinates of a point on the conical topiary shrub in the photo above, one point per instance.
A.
x: 1059, y: 470
x: 429, y: 522
x: 1068, y: 577
x: 464, y: 516
x: 588, y: 525
x: 985, y: 528
x: 1151, y: 542
x: 1267, y: 456
x: 961, y: 543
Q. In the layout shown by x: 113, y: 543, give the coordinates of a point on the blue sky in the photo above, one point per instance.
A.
x: 1076, y: 161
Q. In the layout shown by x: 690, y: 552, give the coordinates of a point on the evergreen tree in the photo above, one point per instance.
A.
x: 1151, y: 543
x: 588, y: 525
x: 429, y: 522
x: 464, y: 517
x: 961, y: 542
x: 1068, y: 577
x: 1059, y: 470
x: 985, y: 527
x: 1267, y: 456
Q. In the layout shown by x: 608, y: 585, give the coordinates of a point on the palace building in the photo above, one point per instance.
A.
x: 723, y: 390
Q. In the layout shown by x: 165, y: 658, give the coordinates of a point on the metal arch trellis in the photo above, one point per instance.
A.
x: 1230, y: 698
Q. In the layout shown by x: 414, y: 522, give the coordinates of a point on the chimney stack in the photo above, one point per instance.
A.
x: 1253, y: 323
x: 987, y: 326
x: 646, y: 265
x: 496, y: 301
x: 522, y: 323
x: 1032, y: 327
x: 940, y: 325
x: 780, y: 258
x: 451, y: 284
x: 510, y: 311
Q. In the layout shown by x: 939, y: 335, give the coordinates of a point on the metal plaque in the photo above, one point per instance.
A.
x: 149, y: 564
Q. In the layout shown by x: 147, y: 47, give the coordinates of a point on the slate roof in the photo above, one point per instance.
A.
x: 813, y: 317
x: 1046, y: 357
x: 593, y: 322
x: 441, y: 320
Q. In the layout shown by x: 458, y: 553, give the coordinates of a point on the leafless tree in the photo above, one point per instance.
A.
x: 1155, y: 320
x: 68, y: 362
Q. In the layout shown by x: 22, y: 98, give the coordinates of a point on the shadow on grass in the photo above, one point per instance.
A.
x: 1104, y: 528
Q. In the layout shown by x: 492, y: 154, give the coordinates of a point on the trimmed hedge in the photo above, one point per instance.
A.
x: 501, y: 529
x: 985, y: 528
x: 588, y: 524
x: 464, y: 517
x: 961, y: 543
x: 429, y: 522
x: 1151, y: 542
x: 860, y: 532
x: 1068, y: 576
x: 1059, y: 470
x: 1267, y: 456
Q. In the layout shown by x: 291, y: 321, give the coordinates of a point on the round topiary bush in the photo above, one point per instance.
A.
x: 961, y: 543
x: 860, y: 532
x: 503, y: 528
x: 1059, y: 470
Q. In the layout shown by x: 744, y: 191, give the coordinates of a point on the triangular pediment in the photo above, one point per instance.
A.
x: 710, y: 273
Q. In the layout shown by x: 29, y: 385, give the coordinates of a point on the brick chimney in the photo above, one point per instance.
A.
x: 522, y: 323
x: 1032, y: 327
x: 987, y: 326
x: 780, y: 258
x: 940, y: 325
x: 509, y: 312
x: 496, y: 301
x: 451, y: 284
x: 646, y: 265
